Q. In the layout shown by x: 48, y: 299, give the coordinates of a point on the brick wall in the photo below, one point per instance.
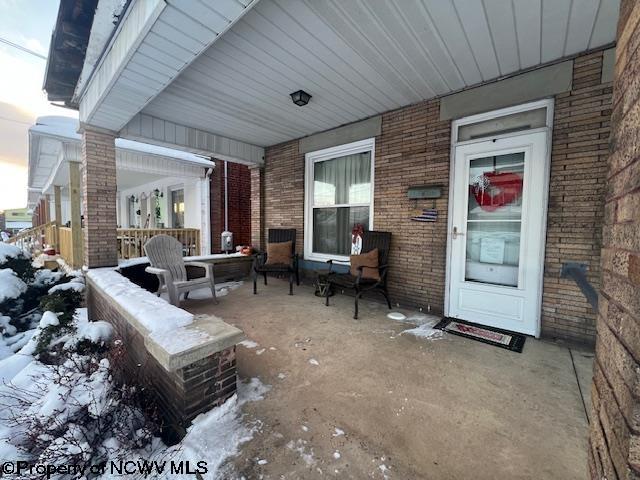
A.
x: 239, y: 201
x: 615, y: 424
x: 181, y: 394
x: 283, y: 186
x: 257, y: 206
x: 578, y: 175
x: 99, y: 198
x: 414, y: 149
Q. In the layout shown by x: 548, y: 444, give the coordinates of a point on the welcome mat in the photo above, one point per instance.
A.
x: 493, y: 336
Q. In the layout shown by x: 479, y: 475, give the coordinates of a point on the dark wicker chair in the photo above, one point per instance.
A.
x: 370, y: 241
x: 277, y: 235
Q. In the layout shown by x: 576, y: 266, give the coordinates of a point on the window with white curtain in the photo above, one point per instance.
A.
x: 338, y: 196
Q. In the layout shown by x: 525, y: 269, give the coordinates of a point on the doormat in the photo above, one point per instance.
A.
x: 492, y: 336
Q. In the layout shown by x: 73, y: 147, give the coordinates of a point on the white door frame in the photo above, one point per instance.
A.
x: 455, y: 125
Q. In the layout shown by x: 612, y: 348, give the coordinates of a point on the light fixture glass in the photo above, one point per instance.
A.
x: 300, y: 98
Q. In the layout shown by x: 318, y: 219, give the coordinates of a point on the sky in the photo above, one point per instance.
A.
x: 28, y: 23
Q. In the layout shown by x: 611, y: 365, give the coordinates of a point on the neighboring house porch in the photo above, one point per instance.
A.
x: 158, y: 190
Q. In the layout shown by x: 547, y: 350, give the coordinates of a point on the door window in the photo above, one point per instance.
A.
x: 494, y: 219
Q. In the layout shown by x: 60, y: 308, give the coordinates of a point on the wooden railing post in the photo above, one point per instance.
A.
x: 57, y: 201
x: 76, y: 219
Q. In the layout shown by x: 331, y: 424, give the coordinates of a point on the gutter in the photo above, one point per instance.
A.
x: 107, y: 45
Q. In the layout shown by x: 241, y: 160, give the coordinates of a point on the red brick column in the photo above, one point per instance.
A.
x: 614, y: 442
x: 257, y: 206
x: 99, y: 197
x: 239, y: 203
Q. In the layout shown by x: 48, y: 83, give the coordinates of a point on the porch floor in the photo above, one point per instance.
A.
x: 409, y: 407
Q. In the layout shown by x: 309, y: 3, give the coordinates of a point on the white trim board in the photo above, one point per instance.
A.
x: 326, y: 154
x: 549, y: 104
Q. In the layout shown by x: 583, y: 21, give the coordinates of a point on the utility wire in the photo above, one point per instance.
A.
x: 20, y: 47
x: 14, y: 121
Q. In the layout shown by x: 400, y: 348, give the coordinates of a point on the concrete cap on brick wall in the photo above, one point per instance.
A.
x: 183, y: 346
x: 184, y: 343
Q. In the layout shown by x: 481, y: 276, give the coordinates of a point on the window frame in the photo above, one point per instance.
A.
x: 311, y: 158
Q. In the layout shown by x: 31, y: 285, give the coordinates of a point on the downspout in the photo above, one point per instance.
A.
x: 207, y: 235
x: 226, y: 199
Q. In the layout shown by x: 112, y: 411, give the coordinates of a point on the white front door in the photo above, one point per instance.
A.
x: 497, y: 232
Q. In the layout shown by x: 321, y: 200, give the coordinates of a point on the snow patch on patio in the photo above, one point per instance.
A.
x: 252, y: 391
x: 306, y: 453
x: 222, y: 290
x: 423, y: 325
x: 248, y: 344
x: 425, y: 331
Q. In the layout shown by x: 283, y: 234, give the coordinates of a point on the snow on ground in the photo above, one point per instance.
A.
x: 11, y: 340
x: 216, y: 436
x: 10, y: 285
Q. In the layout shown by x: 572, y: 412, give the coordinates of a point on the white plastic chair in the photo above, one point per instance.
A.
x: 165, y: 255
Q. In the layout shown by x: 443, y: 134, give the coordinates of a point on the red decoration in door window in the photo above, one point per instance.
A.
x: 493, y: 190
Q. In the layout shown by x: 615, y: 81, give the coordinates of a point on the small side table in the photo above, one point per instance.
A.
x: 322, y: 283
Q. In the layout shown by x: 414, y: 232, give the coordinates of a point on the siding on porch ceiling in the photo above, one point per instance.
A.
x: 360, y: 58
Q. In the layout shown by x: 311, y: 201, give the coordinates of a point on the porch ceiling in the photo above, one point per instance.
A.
x: 360, y: 58
x: 53, y: 143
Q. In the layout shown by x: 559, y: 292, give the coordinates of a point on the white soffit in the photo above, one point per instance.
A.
x: 154, y: 42
x: 358, y: 58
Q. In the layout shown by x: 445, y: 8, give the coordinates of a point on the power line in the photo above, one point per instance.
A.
x: 14, y: 121
x: 24, y: 49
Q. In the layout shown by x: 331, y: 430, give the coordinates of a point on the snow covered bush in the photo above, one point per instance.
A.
x: 16, y: 259
x: 73, y: 411
x: 54, y: 326
x: 25, y: 292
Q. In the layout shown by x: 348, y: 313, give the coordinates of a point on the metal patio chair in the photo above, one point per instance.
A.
x: 370, y: 241
x: 165, y: 255
x: 277, y: 235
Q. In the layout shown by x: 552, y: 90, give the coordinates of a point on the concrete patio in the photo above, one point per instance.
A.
x: 409, y: 407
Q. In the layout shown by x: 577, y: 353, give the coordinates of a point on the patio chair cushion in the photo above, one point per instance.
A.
x: 369, y: 262
x: 278, y: 253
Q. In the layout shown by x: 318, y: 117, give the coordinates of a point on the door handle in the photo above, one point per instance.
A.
x: 456, y: 234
